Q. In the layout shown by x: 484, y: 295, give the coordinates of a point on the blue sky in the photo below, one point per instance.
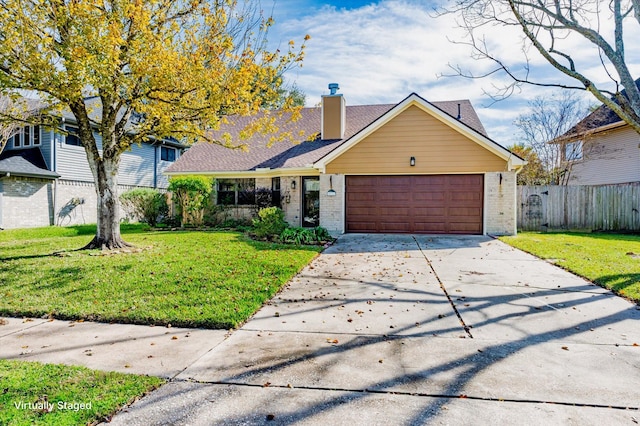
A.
x: 381, y: 51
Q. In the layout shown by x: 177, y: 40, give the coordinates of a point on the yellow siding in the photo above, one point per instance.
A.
x: 414, y: 133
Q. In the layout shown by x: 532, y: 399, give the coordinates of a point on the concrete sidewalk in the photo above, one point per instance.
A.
x: 383, y: 329
x: 155, y: 351
x: 404, y: 330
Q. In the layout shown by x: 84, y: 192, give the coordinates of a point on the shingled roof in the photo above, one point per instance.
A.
x: 25, y: 163
x: 210, y: 158
x: 600, y: 117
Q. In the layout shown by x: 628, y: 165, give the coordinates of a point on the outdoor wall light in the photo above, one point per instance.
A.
x: 293, y: 184
x: 331, y: 192
x: 412, y: 161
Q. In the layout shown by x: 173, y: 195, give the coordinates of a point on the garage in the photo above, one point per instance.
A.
x: 420, y: 204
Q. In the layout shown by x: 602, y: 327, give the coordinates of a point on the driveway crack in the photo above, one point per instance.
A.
x: 444, y: 290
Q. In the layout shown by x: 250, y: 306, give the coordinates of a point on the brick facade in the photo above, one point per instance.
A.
x: 500, y: 203
x: 25, y: 202
x: 332, y: 207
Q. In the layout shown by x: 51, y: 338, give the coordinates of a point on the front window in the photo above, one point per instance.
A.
x: 573, y: 151
x: 167, y: 154
x: 236, y: 192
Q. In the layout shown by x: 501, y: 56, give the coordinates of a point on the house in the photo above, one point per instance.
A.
x: 45, y: 177
x: 601, y: 150
x: 411, y: 167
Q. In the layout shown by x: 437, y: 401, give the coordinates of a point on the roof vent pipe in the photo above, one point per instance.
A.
x: 333, y: 87
x: 459, y: 115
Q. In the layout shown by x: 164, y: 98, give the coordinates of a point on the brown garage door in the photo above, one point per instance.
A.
x: 434, y: 204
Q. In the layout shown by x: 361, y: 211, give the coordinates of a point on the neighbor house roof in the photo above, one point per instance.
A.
x: 602, y: 118
x: 211, y: 158
x: 25, y: 163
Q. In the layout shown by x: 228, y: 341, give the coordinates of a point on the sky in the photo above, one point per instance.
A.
x: 382, y: 51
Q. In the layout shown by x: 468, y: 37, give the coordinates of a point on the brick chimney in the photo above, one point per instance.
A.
x: 333, y: 114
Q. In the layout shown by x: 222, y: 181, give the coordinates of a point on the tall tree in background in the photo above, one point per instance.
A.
x: 546, y: 120
x: 554, y: 28
x: 158, y: 68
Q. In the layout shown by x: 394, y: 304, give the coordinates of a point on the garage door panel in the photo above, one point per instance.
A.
x: 396, y: 197
x: 415, y: 204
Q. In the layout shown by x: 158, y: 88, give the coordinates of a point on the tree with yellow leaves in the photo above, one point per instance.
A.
x: 160, y: 68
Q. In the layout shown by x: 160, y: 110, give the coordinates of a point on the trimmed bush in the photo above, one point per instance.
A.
x: 192, y: 193
x: 300, y: 236
x: 145, y: 204
x: 270, y: 223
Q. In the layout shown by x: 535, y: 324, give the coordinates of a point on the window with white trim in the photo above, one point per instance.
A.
x: 25, y: 137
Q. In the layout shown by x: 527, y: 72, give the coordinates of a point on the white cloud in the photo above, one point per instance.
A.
x: 381, y: 52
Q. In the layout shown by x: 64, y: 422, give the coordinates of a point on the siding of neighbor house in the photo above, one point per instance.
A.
x: 136, y: 165
x: 609, y: 158
x: 415, y: 133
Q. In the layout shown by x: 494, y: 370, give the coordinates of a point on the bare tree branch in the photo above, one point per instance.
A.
x: 547, y: 26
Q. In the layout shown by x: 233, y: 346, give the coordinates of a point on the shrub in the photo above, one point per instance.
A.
x: 146, y: 204
x: 192, y: 193
x: 270, y: 223
x: 301, y: 236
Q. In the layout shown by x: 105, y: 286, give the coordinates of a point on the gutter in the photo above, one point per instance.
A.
x: 258, y: 173
x: 600, y: 129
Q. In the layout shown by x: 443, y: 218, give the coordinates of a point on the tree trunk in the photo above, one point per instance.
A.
x: 108, y: 230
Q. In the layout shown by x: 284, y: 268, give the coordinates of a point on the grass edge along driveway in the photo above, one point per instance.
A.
x: 49, y: 394
x: 187, y: 279
x: 609, y: 260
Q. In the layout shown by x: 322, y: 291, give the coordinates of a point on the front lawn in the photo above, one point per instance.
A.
x: 190, y: 279
x: 610, y: 260
x: 45, y: 394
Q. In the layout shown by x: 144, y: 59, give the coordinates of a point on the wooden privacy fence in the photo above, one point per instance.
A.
x: 592, y: 208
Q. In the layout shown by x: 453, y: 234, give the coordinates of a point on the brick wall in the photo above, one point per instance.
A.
x: 26, y: 202
x: 500, y: 203
x: 291, y: 199
x: 332, y: 207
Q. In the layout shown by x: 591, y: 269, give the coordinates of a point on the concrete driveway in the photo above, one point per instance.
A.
x: 411, y: 330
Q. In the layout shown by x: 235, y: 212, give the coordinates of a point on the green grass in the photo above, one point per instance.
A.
x: 33, y: 383
x: 191, y: 279
x: 610, y: 260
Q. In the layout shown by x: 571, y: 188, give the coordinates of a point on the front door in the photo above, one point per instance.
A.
x: 310, y: 201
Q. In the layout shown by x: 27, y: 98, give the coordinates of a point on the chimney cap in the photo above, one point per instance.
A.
x: 333, y: 88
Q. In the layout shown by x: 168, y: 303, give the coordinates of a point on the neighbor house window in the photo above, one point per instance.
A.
x: 167, y: 153
x: 72, y: 137
x: 238, y: 192
x: 573, y: 151
x: 25, y: 137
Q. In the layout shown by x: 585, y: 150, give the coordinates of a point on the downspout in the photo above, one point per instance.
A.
x: 155, y: 166
x: 54, y: 164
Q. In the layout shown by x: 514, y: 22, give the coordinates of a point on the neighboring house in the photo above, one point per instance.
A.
x: 601, y: 150
x: 413, y: 167
x: 45, y: 177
